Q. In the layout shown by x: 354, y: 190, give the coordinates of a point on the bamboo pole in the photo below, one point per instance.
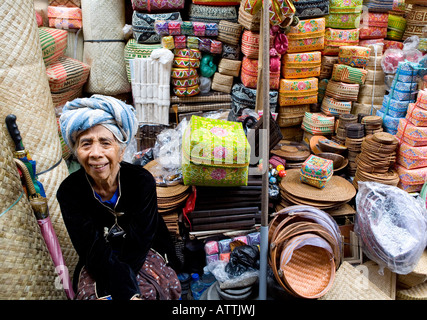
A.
x: 263, y: 102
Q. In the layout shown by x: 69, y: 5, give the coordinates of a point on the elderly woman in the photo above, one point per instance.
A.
x: 109, y: 208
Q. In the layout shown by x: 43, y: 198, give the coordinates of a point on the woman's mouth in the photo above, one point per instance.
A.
x: 98, y: 166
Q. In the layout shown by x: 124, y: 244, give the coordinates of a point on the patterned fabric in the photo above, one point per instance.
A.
x: 66, y: 74
x: 316, y: 171
x: 143, y: 25
x: 53, y: 43
x: 157, y: 5
x: 215, y: 153
x: 64, y: 17
x: 243, y: 97
x: 378, y: 5
x: 83, y: 113
x: 311, y: 8
x: 156, y: 281
x: 204, y: 13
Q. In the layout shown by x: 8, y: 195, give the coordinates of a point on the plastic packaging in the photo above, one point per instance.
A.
x: 197, y: 286
x: 242, y: 259
x: 208, y: 278
x: 392, y: 226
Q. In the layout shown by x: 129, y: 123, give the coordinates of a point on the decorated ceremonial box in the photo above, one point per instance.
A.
x: 335, y: 38
x: 411, y: 157
x: 215, y: 153
x: 301, y: 65
x: 307, y: 35
x: 316, y: 171
x: 298, y: 91
x: 354, y: 56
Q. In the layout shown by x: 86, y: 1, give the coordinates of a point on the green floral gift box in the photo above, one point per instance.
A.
x: 316, y: 171
x: 215, y: 153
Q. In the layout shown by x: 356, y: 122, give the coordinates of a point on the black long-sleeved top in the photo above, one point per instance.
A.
x: 114, y: 263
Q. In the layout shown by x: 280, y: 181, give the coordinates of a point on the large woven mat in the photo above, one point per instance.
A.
x: 24, y: 91
x: 103, y: 50
x: 26, y: 269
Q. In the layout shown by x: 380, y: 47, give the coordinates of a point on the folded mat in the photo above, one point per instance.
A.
x: 24, y: 91
x: 103, y: 32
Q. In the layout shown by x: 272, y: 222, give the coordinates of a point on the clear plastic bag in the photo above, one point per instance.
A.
x: 392, y: 226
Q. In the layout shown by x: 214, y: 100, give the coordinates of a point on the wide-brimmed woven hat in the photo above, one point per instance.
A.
x: 337, y: 189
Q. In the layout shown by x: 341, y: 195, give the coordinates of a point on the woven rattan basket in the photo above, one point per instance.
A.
x: 103, y: 32
x: 26, y: 269
x: 24, y: 91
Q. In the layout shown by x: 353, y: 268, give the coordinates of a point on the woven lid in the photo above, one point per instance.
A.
x: 314, y: 143
x: 418, y: 292
x: 291, y: 150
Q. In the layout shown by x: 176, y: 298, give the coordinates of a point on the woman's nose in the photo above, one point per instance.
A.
x: 95, y: 150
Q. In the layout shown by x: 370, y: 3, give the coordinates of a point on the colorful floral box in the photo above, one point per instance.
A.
x: 374, y: 19
x: 301, y: 65
x: 354, y: 56
x: 299, y: 91
x: 345, y: 6
x: 394, y: 108
x: 344, y: 73
x: 411, y: 157
x: 215, y: 153
x: 411, y: 180
x: 372, y: 33
x: 316, y: 171
x: 422, y: 99
x: 343, y: 20
x: 64, y: 17
x: 335, y: 38
x: 412, y: 135
x: 307, y: 35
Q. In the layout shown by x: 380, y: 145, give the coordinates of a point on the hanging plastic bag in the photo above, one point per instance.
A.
x: 392, y: 225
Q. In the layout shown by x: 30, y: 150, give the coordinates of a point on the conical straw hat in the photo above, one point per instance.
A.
x: 24, y: 91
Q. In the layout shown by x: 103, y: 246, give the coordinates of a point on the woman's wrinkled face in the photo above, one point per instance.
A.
x: 99, y: 153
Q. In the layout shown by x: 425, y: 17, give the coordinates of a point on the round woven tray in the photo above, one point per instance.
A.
x: 310, y: 272
x: 337, y: 189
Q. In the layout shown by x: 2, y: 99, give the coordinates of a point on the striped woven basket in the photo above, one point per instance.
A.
x: 229, y: 32
x: 348, y: 74
x: 53, y: 43
x: 67, y: 74
x: 332, y: 107
x: 342, y: 91
x: 134, y: 50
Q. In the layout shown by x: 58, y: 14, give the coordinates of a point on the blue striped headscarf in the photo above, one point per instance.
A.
x: 83, y: 113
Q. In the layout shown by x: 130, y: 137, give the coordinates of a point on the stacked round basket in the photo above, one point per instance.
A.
x: 305, y: 249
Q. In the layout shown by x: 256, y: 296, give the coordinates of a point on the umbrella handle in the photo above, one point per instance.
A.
x: 12, y: 127
x: 27, y: 176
